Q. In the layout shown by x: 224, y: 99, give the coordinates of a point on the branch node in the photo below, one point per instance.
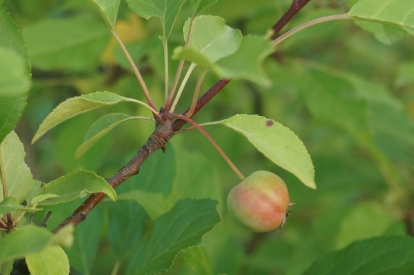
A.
x: 82, y: 216
x: 159, y: 139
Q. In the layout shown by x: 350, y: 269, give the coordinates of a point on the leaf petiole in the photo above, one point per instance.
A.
x: 196, y: 92
x: 134, y: 68
x: 3, y: 176
x: 180, y: 91
x: 180, y: 68
x: 143, y: 104
x: 166, y: 74
x: 288, y: 34
x: 16, y: 220
x: 3, y: 225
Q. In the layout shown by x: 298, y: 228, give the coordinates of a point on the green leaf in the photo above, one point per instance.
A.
x: 394, y: 17
x: 72, y: 186
x: 65, y: 147
x: 197, y: 258
x: 392, y: 122
x: 246, y: 63
x: 86, y: 241
x: 78, y: 105
x: 165, y: 10
x: 100, y: 128
x: 202, y: 181
x: 64, y: 236
x: 397, y: 12
x: 6, y: 268
x: 370, y: 111
x: 18, y: 176
x: 277, y: 143
x: 405, y: 75
x: 155, y: 204
x: 35, y: 189
x: 10, y: 204
x: 199, y: 5
x: 70, y: 43
x: 379, y: 256
x: 368, y: 90
x: 384, y: 33
x: 50, y: 261
x: 364, y: 221
x: 14, y: 80
x: 182, y: 227
x: 108, y: 9
x: 211, y: 40
x: 340, y: 106
x: 14, y: 88
x: 12, y: 39
x: 27, y: 240
x: 125, y: 233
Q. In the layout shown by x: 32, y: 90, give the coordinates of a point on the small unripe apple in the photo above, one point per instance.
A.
x: 260, y: 202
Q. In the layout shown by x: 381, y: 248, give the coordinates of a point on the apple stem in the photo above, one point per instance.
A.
x: 226, y: 158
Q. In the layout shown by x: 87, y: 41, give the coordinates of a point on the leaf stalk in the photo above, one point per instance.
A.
x: 288, y: 34
x: 134, y: 68
x: 3, y: 176
x: 180, y: 68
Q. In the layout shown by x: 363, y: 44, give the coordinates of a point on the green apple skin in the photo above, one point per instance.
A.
x: 259, y: 202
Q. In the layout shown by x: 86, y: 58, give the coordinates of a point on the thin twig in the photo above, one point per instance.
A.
x: 43, y: 224
x: 296, y: 6
x: 158, y: 139
x: 31, y: 218
x: 203, y: 100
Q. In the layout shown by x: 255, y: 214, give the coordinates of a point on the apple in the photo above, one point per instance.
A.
x: 260, y: 202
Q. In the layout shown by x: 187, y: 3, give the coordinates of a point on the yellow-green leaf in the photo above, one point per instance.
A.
x: 277, y: 142
x: 71, y: 186
x: 51, y: 261
x: 16, y: 173
x: 100, y: 128
x: 78, y: 105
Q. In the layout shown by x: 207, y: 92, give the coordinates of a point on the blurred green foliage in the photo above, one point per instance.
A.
x: 358, y: 163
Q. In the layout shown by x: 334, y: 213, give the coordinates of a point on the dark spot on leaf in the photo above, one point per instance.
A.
x: 269, y: 123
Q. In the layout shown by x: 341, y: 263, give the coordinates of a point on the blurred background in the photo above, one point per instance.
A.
x: 345, y: 89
